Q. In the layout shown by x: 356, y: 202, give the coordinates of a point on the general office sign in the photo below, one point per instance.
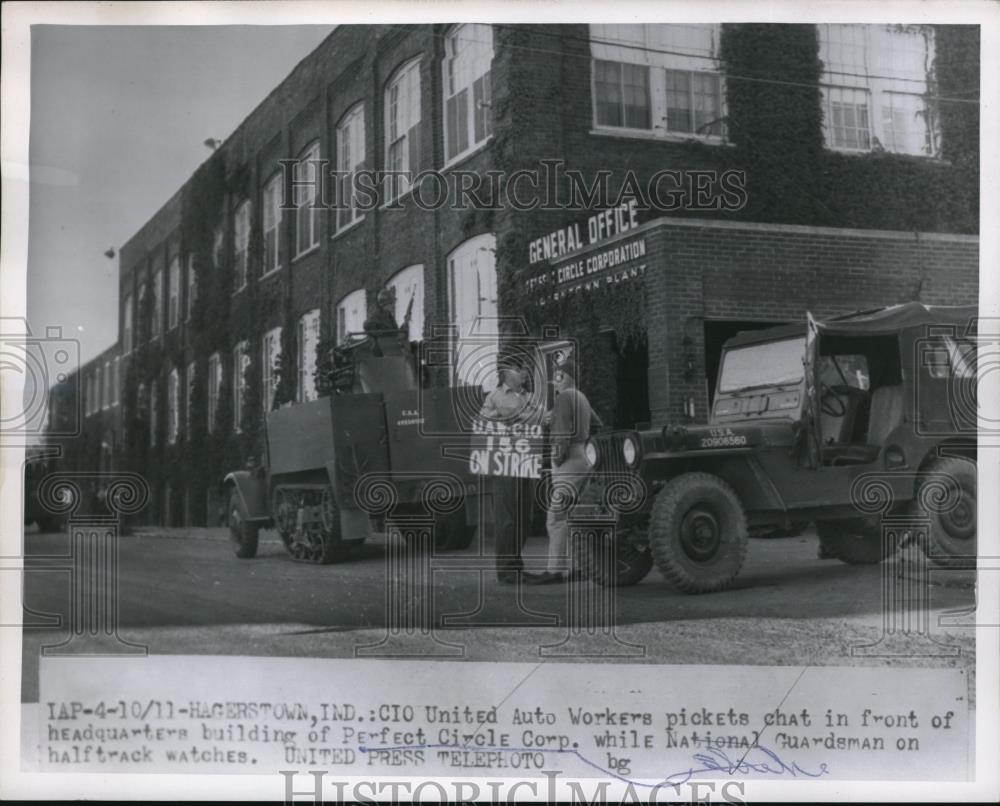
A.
x: 618, y: 263
x: 599, y: 227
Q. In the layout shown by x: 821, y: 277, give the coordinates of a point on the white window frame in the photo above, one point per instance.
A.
x: 308, y: 338
x: 241, y: 233
x: 174, y: 293
x: 189, y: 374
x: 241, y: 360
x: 352, y: 310
x: 660, y: 48
x: 153, y: 410
x: 269, y: 357
x: 473, y: 308
x: 157, y: 328
x: 127, y: 334
x: 191, y: 294
x: 140, y: 305
x: 477, y: 36
x: 877, y: 81
x: 213, y: 392
x: 218, y: 246
x: 402, y: 129
x: 307, y: 169
x: 173, y: 406
x: 271, y: 224
x: 350, y: 159
x: 407, y: 284
x: 106, y: 392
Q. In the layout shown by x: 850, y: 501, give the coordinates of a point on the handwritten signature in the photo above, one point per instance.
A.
x: 716, y: 760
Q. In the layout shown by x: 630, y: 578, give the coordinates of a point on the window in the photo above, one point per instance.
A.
x: 350, y: 158
x: 241, y: 229
x: 173, y: 406
x: 468, y: 113
x: 106, y: 395
x: 875, y: 84
x: 308, y: 338
x: 472, y: 289
x: 408, y: 288
x: 272, y: 224
x: 351, y: 314
x: 174, y: 297
x: 218, y: 246
x: 116, y: 388
x: 98, y: 388
x: 192, y: 288
x: 87, y: 395
x: 144, y: 326
x: 270, y: 362
x: 157, y: 324
x: 127, y: 325
x: 664, y: 80
x: 214, y: 381
x: 188, y: 390
x: 241, y: 360
x: 402, y: 128
x: 153, y: 411
x: 307, y: 172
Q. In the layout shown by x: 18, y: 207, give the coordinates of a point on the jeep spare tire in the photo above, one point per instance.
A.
x: 698, y: 533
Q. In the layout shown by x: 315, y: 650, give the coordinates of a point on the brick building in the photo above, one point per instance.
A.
x: 738, y: 176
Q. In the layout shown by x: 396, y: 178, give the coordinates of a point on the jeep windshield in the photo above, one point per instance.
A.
x: 770, y: 363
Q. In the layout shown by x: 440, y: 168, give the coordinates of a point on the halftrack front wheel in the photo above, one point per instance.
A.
x: 947, y: 495
x: 698, y: 533
x: 242, y: 533
x: 855, y: 541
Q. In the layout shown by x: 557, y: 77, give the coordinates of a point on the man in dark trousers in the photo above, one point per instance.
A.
x: 569, y: 422
x: 509, y: 404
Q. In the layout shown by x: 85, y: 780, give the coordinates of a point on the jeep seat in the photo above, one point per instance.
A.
x: 885, y: 414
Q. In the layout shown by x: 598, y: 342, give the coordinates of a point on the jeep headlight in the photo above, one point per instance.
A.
x: 591, y: 453
x: 630, y: 451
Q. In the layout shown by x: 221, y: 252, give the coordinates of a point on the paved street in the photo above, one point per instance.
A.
x: 184, y: 592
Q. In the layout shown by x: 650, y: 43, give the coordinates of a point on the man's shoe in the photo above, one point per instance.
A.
x: 508, y: 578
x: 545, y: 578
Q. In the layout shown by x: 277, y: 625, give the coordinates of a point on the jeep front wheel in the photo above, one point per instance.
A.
x: 855, y: 541
x: 698, y: 533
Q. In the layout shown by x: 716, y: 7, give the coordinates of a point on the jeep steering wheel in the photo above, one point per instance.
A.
x: 830, y: 403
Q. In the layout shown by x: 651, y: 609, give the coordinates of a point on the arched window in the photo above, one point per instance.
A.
x: 472, y: 287
x: 402, y: 128
x: 270, y: 352
x: 173, y: 407
x: 214, y: 388
x: 308, y: 339
x: 351, y: 313
x: 408, y: 291
x: 468, y: 113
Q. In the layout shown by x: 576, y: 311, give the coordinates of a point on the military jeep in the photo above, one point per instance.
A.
x: 846, y: 423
